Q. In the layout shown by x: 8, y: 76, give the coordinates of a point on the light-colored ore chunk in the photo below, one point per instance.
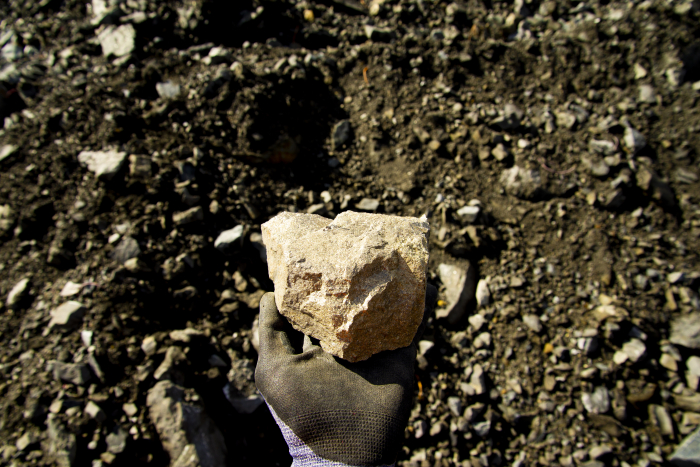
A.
x: 357, y: 283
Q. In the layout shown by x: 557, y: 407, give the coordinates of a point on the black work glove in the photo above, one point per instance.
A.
x: 353, y: 413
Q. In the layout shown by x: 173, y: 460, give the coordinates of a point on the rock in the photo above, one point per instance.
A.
x: 478, y: 380
x: 75, y: 373
x: 602, y: 450
x: 18, y: 292
x: 187, y: 335
x: 67, y: 315
x: 187, y: 433
x: 104, y: 164
x: 634, y: 141
x: 662, y: 419
x: 342, y: 134
x: 647, y: 94
x: 62, y: 444
x: 692, y: 373
x: 149, y: 345
x: 229, y: 238
x: 127, y: 249
x: 116, y: 440
x: 168, y: 89
x: 668, y: 362
x: 648, y: 181
x: 522, y: 183
x: 468, y: 214
x: 71, y: 289
x: 173, y: 357
x: 243, y: 405
x: 500, y: 153
x: 455, y: 405
x: 533, y: 322
x: 6, y: 150
x: 483, y: 294
x: 634, y: 349
x: 368, y: 204
x: 460, y: 285
x: 685, y: 331
x: 86, y: 337
x: 512, y: 115
x: 683, y: 175
x: 24, y: 441
x: 376, y: 34
x: 691, y: 403
x: 597, y: 402
x: 483, y: 340
x: 688, y: 452
x: 357, y: 283
x: 95, y: 412
x: 130, y: 409
x: 477, y: 322
x: 195, y: 214
x: 117, y: 41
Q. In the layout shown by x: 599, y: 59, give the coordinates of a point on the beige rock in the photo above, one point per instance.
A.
x: 357, y: 283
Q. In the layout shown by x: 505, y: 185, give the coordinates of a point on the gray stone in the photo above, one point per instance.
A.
x: 62, y: 444
x: 455, y: 405
x: 468, y: 214
x: 460, y: 286
x: 149, y: 345
x: 483, y: 294
x: 533, y: 322
x: 140, y: 167
x: 478, y: 380
x: 229, y: 238
x: 602, y: 450
x: 685, y: 331
x: 173, y: 357
x: 117, y: 41
x: 67, y: 315
x: 187, y: 433
x: 634, y: 349
x: 18, y: 292
x: 659, y: 190
x: 342, y: 133
x: 477, y: 321
x: 6, y: 150
x: 168, y: 89
x: 683, y: 175
x: 75, y: 373
x: 597, y: 402
x: 104, y: 164
x: 692, y: 373
x: 127, y: 249
x: 24, y: 441
x: 675, y: 277
x: 116, y: 440
x: 95, y: 412
x: 522, y: 183
x: 368, y: 204
x: 195, y: 214
x: 634, y: 140
x: 647, y: 94
x: 662, y: 418
x: 688, y: 452
x: 356, y: 283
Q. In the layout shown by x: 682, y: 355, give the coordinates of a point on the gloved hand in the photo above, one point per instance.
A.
x: 350, y: 413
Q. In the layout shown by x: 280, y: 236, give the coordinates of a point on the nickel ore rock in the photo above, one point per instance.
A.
x: 357, y: 283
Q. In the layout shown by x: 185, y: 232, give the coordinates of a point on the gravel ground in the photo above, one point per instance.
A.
x: 554, y: 147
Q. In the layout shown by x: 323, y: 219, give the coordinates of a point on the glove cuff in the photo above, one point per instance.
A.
x: 302, y: 454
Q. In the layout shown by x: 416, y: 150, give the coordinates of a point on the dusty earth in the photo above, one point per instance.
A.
x: 568, y: 130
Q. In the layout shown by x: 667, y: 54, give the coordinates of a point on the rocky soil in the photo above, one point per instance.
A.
x: 554, y: 146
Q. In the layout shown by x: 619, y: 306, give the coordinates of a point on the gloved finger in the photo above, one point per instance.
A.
x: 430, y: 298
x: 309, y: 344
x: 273, y: 329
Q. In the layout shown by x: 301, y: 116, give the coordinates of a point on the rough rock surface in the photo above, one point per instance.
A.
x: 356, y: 283
x: 189, y: 436
x: 460, y: 286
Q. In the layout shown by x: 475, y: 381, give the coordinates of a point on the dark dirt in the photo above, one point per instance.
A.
x: 429, y: 98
